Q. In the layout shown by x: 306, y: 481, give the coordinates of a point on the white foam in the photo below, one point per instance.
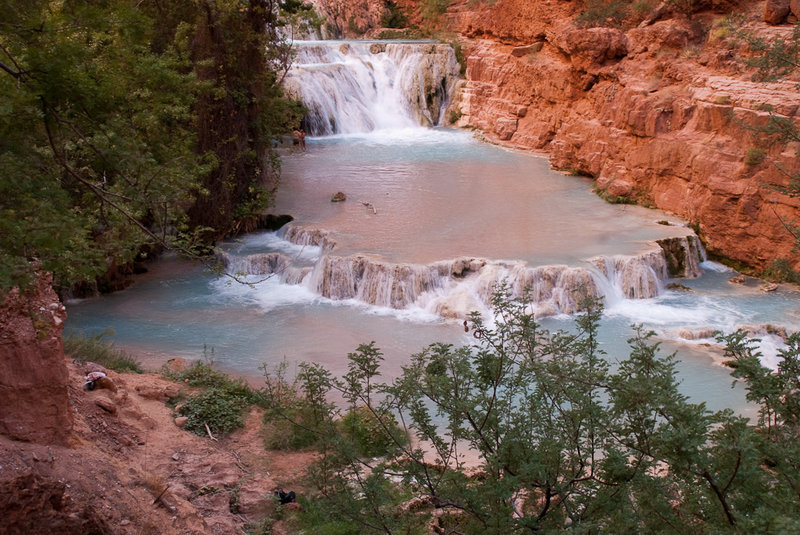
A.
x: 267, y: 293
x: 272, y: 242
x: 670, y: 311
x: 714, y: 266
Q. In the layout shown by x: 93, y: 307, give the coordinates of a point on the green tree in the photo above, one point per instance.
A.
x: 531, y: 431
x: 126, y: 127
x: 238, y: 51
x: 96, y: 139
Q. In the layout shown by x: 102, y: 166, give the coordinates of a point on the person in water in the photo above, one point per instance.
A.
x: 299, y: 138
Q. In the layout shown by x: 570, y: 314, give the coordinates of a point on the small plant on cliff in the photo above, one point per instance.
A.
x: 94, y: 349
x: 754, y: 156
x: 684, y: 7
x: 602, y: 13
x: 432, y: 11
x: 394, y: 16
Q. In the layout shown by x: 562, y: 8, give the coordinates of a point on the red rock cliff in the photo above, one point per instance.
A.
x: 654, y: 113
x: 34, y: 404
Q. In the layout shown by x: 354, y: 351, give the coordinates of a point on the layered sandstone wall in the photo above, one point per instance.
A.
x: 656, y: 114
x: 34, y: 401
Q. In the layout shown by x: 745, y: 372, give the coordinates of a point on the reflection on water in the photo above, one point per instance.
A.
x: 439, y: 194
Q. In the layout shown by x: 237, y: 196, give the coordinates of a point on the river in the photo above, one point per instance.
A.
x: 433, y: 219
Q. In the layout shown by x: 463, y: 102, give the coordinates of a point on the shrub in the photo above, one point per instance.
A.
x: 687, y: 7
x: 602, y: 13
x: 219, y: 407
x: 781, y: 270
x: 641, y: 9
x: 369, y: 435
x: 754, y: 156
x: 394, y: 16
x: 93, y: 349
x: 291, y: 430
x: 432, y: 10
x: 201, y: 374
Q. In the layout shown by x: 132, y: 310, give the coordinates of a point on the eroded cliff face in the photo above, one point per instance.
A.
x: 657, y: 114
x: 34, y: 403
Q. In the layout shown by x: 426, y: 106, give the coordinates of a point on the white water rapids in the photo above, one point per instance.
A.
x: 433, y: 220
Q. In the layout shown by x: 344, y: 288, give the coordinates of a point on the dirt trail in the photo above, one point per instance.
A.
x: 129, y: 469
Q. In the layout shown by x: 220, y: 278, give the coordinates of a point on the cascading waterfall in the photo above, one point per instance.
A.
x: 453, y: 288
x: 356, y: 87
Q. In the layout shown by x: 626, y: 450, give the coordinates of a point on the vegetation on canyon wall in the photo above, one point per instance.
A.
x: 126, y: 127
x: 529, y: 430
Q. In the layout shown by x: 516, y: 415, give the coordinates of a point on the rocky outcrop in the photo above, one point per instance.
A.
x: 34, y: 404
x: 658, y: 115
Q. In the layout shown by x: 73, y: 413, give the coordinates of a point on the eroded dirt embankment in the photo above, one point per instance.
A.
x: 74, y: 461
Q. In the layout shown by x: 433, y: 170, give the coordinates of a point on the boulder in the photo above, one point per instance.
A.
x: 794, y: 7
x: 176, y: 365
x: 775, y: 11
x: 505, y: 127
x: 593, y: 47
x: 106, y: 403
x: 619, y: 188
x: 105, y: 382
x: 152, y: 392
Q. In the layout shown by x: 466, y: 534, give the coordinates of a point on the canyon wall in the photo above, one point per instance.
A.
x: 657, y: 114
x: 34, y: 402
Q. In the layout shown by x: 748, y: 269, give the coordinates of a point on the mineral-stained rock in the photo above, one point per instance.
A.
x: 176, y: 365
x: 775, y: 11
x: 105, y: 403
x: 633, y: 109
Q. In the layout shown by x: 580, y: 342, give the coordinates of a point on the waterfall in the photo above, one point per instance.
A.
x: 356, y: 87
x: 453, y: 288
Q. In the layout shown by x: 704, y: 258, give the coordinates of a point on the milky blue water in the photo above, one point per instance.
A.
x: 436, y: 195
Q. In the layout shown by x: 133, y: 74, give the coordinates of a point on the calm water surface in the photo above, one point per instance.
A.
x: 436, y: 194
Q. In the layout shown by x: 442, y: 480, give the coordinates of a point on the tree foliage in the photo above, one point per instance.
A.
x: 113, y: 128
x: 531, y: 431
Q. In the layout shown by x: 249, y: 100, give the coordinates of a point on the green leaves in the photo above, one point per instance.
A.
x: 133, y: 126
x: 527, y: 430
x: 97, y: 150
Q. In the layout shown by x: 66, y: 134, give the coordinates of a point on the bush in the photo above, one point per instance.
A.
x: 201, y: 374
x: 93, y: 349
x: 219, y: 407
x: 291, y: 430
x: 394, y: 16
x: 781, y: 270
x: 602, y: 13
x: 370, y: 437
x: 754, y: 156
